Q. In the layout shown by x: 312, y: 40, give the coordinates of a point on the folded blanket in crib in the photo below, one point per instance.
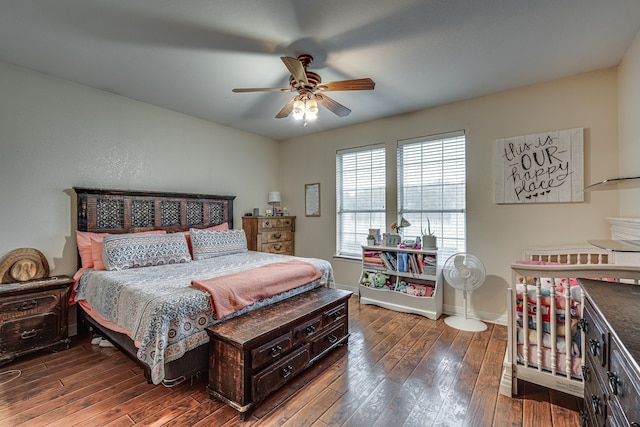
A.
x: 235, y: 291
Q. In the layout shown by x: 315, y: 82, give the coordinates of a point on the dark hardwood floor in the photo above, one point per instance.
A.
x: 398, y: 370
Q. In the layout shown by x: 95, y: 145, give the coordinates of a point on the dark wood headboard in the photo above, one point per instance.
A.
x: 119, y: 211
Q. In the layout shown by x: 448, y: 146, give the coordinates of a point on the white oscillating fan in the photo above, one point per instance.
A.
x: 464, y: 272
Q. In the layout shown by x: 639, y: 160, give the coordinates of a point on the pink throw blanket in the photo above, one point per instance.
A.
x: 235, y: 291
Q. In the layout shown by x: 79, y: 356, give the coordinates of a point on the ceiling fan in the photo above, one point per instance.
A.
x: 311, y: 90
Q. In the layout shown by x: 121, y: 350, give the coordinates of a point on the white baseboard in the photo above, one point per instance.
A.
x: 354, y: 289
x: 484, y: 316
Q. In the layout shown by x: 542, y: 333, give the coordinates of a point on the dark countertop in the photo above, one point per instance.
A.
x: 617, y: 304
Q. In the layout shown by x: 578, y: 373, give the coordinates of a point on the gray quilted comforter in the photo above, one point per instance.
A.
x: 164, y: 314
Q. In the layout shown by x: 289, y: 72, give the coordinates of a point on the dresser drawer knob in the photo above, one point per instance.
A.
x: 595, y: 404
x: 635, y: 424
x: 332, y: 338
x: 613, y: 382
x: 286, y: 371
x: 28, y: 305
x: 275, y: 351
x: 277, y: 235
x: 585, y: 373
x: 25, y: 335
x: 595, y: 346
x: 584, y: 325
x: 309, y: 330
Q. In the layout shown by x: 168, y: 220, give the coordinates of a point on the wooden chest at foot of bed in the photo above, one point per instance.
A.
x: 255, y: 354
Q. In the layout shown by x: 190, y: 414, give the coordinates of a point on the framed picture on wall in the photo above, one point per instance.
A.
x: 312, y: 199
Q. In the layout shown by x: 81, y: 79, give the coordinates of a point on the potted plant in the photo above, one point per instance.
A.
x: 371, y: 240
x: 428, y: 238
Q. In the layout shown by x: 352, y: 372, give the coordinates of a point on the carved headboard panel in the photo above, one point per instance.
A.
x: 117, y: 211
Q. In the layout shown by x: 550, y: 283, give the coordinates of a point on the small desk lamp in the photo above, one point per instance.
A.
x: 274, y: 199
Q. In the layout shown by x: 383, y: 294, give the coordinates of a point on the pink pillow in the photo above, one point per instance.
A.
x: 84, y: 239
x: 223, y: 226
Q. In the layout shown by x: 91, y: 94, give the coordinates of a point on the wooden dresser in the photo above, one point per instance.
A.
x: 257, y: 353
x: 612, y: 337
x: 274, y: 234
x: 33, y: 316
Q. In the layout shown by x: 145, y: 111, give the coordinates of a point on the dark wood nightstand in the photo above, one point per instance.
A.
x: 34, y: 316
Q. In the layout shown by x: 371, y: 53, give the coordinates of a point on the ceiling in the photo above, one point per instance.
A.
x: 187, y: 55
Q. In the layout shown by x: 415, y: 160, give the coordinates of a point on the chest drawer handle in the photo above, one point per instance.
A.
x: 277, y: 248
x: 613, y: 382
x: 277, y: 235
x: 584, y: 325
x: 635, y: 424
x: 286, y: 371
x: 28, y: 305
x: 309, y: 330
x: 585, y: 373
x: 595, y: 404
x: 595, y: 346
x: 332, y: 338
x: 335, y: 315
x: 25, y: 335
x: 275, y: 351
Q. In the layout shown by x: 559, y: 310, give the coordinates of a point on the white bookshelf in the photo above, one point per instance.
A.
x: 416, y: 298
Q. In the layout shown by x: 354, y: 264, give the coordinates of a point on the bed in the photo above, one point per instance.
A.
x: 545, y: 306
x: 157, y: 312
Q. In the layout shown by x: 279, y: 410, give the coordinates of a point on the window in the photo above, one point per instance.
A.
x: 360, y: 197
x: 431, y: 188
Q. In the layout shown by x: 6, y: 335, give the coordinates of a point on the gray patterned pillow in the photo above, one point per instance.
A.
x: 212, y: 243
x: 120, y: 252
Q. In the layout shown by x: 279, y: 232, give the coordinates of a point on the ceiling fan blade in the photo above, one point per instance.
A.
x: 355, y: 84
x: 295, y: 68
x: 262, y: 89
x: 331, y: 105
x: 287, y: 109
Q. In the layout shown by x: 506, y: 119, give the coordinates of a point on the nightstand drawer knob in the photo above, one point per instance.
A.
x: 28, y: 305
x: 286, y: 371
x: 25, y: 335
x: 275, y: 351
x: 277, y: 235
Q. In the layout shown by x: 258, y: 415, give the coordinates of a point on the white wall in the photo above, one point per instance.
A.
x: 55, y: 135
x: 629, y: 152
x: 496, y: 233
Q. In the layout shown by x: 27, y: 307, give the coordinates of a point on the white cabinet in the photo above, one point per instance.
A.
x: 401, y: 279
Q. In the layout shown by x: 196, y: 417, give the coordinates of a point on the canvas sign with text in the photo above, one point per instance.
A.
x: 541, y: 168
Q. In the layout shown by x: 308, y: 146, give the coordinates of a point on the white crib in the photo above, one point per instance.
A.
x: 544, y: 357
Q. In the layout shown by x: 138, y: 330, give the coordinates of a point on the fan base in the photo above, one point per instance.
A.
x: 465, y: 324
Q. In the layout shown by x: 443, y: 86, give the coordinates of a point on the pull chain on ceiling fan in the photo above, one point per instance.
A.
x: 311, y: 90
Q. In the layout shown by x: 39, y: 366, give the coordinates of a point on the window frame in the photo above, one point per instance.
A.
x: 447, y: 222
x: 348, y: 242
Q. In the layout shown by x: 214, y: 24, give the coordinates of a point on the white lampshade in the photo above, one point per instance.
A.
x: 274, y: 197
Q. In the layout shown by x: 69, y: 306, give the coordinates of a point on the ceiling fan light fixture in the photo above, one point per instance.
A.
x: 312, y: 109
x: 298, y: 110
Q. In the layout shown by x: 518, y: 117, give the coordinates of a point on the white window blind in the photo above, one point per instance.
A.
x: 360, y: 197
x: 432, y: 187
